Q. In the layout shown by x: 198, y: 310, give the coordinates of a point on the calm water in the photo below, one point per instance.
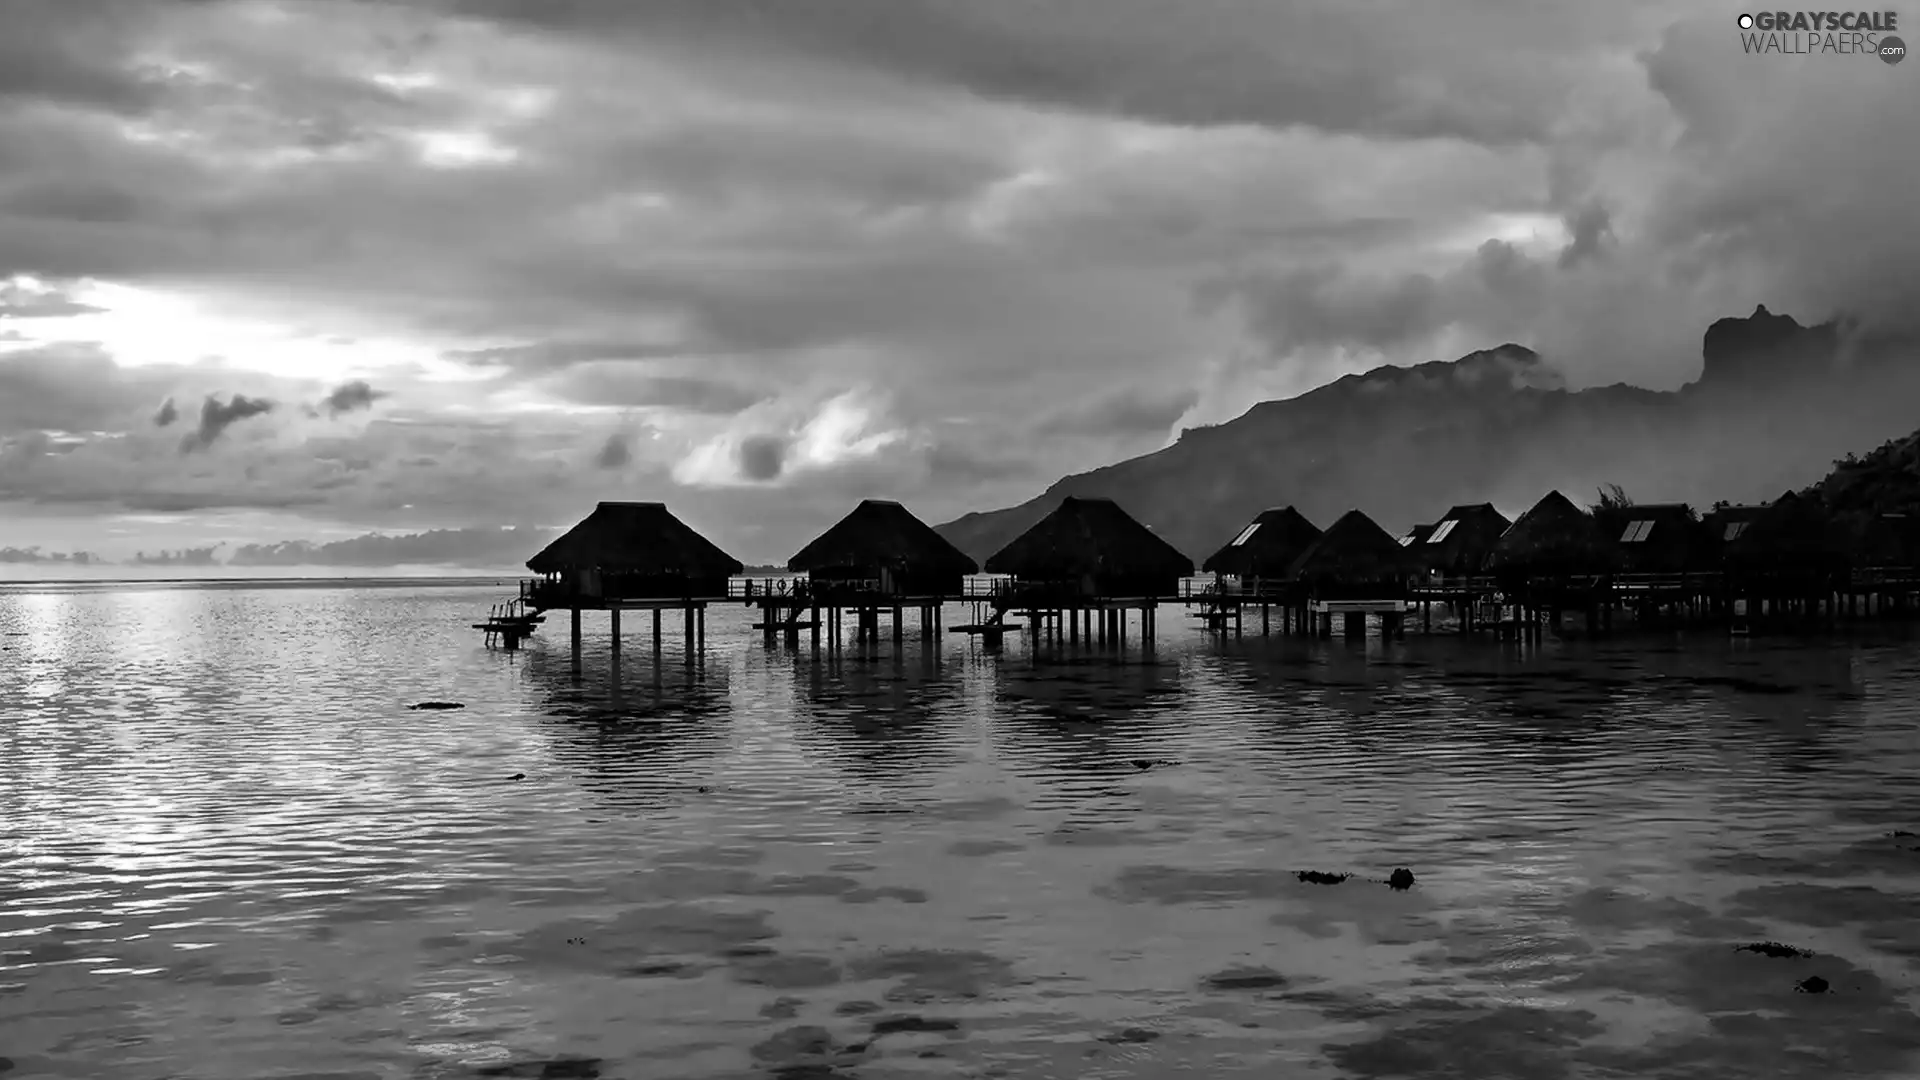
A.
x: 228, y: 850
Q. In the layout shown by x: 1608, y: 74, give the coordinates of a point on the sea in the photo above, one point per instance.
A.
x: 229, y: 850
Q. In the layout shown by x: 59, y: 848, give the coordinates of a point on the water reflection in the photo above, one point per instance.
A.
x: 884, y: 714
x: 636, y: 739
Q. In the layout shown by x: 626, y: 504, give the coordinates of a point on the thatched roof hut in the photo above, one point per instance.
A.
x: 1792, y: 537
x: 1093, y: 547
x: 1356, y: 555
x: 1460, y: 542
x: 1267, y: 547
x: 1554, y: 538
x: 1724, y: 524
x: 636, y: 550
x: 1657, y: 538
x: 881, y: 541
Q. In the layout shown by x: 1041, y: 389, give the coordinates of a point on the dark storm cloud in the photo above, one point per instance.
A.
x: 217, y: 416
x: 166, y: 414
x: 615, y: 453
x: 350, y: 396
x: 1375, y: 69
x: 763, y: 457
x: 65, y: 53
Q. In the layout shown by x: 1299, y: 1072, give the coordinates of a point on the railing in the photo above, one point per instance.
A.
x: 833, y: 590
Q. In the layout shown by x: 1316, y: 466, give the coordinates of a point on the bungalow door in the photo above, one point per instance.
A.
x: 886, y: 581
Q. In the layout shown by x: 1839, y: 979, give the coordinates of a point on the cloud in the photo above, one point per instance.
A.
x: 1376, y: 70
x: 615, y: 453
x: 74, y: 386
x: 762, y: 457
x: 347, y: 397
x: 24, y: 298
x: 166, y: 414
x: 632, y: 385
x: 1127, y: 411
x: 217, y: 416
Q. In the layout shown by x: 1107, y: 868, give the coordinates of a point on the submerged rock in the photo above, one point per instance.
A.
x: 893, y: 1025
x: 1316, y: 877
x: 560, y: 1068
x: 1400, y: 880
x: 1775, y: 950
x: 431, y: 705
x: 1249, y: 978
x: 1812, y: 984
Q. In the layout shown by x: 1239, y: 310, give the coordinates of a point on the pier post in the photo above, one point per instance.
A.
x: 576, y: 638
x: 613, y: 632
x: 687, y: 632
x: 816, y: 627
x: 898, y: 630
x: 656, y: 637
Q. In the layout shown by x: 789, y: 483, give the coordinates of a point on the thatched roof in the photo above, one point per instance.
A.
x: 1553, y: 536
x: 1725, y: 524
x: 1418, y: 534
x: 881, y: 533
x: 1088, y: 536
x: 1354, y: 548
x: 1460, y: 541
x: 1790, y: 529
x: 1655, y: 536
x: 634, y: 538
x: 1267, y: 547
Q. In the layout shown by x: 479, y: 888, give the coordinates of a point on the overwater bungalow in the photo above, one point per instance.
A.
x: 1658, y: 538
x: 1355, y: 559
x: 881, y: 549
x: 1791, y: 548
x: 1092, y: 549
x: 1551, y: 544
x: 627, y: 556
x: 1458, y: 544
x: 1262, y: 554
x: 629, y: 551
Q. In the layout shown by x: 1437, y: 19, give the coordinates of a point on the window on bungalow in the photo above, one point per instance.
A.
x: 1440, y: 533
x: 1246, y: 534
x: 1636, y: 532
x: 1734, y: 529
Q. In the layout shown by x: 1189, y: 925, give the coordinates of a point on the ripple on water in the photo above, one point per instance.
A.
x: 232, y: 852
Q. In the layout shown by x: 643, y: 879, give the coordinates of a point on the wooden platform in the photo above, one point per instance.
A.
x: 1361, y: 607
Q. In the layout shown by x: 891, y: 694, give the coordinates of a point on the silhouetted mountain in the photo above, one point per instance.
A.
x: 1775, y: 402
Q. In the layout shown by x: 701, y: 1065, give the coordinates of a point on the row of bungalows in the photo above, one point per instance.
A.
x: 1089, y: 548
x: 1786, y: 545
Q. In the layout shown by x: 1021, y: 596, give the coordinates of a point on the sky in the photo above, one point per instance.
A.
x: 297, y: 278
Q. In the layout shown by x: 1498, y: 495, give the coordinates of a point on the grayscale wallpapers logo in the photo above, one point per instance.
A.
x: 1840, y: 33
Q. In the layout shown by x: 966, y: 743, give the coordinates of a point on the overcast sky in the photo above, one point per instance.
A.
x: 305, y: 271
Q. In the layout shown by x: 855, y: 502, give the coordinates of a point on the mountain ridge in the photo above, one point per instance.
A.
x: 1774, y: 404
